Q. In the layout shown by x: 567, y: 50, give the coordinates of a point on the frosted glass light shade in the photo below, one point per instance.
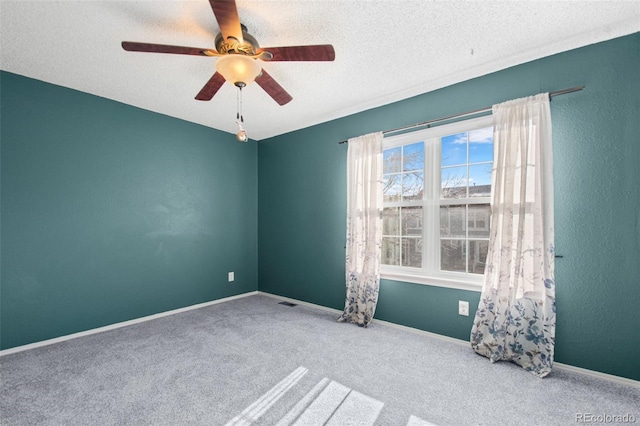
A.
x: 237, y: 68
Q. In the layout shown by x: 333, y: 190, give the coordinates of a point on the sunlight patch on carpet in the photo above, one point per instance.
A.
x: 302, y: 405
x: 356, y: 406
x: 322, y: 408
x: 417, y: 421
x: 258, y: 408
x: 327, y: 403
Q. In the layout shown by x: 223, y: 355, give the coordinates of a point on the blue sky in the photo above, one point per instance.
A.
x: 477, y: 144
x: 454, y: 153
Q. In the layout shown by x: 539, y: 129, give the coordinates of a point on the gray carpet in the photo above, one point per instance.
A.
x: 254, y: 361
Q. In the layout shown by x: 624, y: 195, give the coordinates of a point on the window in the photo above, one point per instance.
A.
x: 436, y: 217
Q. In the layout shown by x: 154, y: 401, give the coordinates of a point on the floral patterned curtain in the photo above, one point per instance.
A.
x: 364, y: 228
x: 516, y: 317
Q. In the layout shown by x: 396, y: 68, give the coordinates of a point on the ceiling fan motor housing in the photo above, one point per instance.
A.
x: 248, y: 46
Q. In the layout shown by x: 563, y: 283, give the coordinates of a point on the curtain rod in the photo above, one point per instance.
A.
x: 464, y: 114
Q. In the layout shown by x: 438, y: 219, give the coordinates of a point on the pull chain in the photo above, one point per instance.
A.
x: 242, y: 134
x: 239, y: 105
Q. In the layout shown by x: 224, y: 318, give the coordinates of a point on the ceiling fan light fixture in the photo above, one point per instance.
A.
x: 238, y: 69
x: 237, y: 52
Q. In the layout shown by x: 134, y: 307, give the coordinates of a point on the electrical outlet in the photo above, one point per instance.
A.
x: 231, y: 276
x: 463, y: 308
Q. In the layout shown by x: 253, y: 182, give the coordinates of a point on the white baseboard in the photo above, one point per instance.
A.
x: 376, y: 321
x: 559, y: 366
x: 120, y: 324
x: 300, y: 302
x: 597, y: 374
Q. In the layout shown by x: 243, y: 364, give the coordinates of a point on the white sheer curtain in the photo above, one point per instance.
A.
x: 516, y: 317
x: 364, y: 228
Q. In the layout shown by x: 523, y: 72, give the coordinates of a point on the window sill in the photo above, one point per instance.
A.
x: 448, y: 282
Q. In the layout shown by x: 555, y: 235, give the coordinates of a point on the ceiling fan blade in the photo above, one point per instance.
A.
x: 273, y: 89
x: 227, y: 16
x: 133, y: 46
x: 318, y: 52
x: 211, y: 88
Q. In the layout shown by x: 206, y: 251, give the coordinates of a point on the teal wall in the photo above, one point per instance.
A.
x: 110, y: 212
x: 302, y: 203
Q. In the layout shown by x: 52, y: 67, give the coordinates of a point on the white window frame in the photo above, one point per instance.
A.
x: 430, y: 272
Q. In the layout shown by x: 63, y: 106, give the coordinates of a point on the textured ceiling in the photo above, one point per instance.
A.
x: 385, y: 50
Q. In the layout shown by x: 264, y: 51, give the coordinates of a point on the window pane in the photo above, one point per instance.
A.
x: 412, y: 252
x: 453, y: 182
x: 391, y: 250
x: 413, y: 157
x: 412, y: 221
x: 480, y: 180
x: 392, y: 159
x: 479, y: 218
x: 452, y: 221
x: 454, y: 149
x: 412, y: 186
x: 452, y: 255
x: 481, y: 145
x: 391, y: 187
x: 464, y: 165
x: 478, y: 255
x: 391, y: 221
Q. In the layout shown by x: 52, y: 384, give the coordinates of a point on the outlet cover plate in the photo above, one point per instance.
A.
x: 231, y: 276
x: 463, y: 308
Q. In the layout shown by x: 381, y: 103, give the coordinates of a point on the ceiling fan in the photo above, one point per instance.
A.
x: 238, y: 53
